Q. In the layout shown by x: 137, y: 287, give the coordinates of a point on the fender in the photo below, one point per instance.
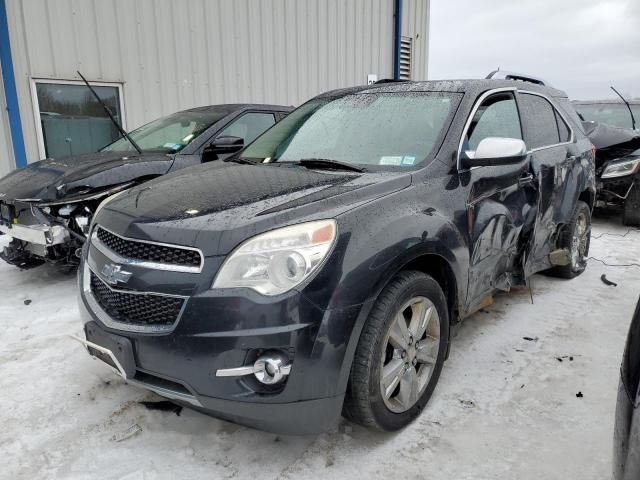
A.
x: 434, y: 247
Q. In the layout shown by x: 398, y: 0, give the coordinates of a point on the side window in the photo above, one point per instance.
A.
x: 249, y: 126
x: 496, y: 117
x: 539, y: 118
x: 563, y: 129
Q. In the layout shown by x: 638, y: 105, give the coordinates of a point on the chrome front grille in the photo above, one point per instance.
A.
x: 145, y: 253
x: 137, y: 309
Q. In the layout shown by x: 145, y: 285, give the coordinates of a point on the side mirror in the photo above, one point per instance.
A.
x: 495, y: 151
x: 226, y: 144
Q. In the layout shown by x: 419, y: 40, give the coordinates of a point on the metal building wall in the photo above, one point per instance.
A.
x: 6, y: 150
x: 415, y: 24
x: 175, y: 54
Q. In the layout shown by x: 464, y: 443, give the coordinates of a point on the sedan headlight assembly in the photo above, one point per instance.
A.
x: 275, y: 262
x: 622, y: 168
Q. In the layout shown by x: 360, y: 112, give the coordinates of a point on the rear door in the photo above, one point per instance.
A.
x: 555, y: 167
x: 499, y: 203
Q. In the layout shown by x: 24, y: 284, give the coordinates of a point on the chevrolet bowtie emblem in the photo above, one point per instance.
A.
x: 113, y: 274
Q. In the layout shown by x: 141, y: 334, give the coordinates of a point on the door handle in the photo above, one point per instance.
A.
x: 525, y: 180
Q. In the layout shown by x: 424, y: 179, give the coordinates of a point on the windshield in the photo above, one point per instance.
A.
x: 169, y: 134
x: 616, y: 114
x: 397, y: 130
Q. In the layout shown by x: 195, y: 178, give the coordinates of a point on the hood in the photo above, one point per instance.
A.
x: 611, y: 142
x: 54, y: 179
x: 216, y: 206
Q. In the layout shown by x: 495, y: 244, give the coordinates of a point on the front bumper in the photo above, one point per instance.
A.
x: 217, y: 332
x: 44, y: 235
x: 613, y: 192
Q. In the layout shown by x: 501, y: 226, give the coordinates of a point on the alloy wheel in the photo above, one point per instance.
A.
x: 579, y: 241
x: 409, y: 354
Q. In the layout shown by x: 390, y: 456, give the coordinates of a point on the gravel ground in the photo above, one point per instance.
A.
x: 505, y: 407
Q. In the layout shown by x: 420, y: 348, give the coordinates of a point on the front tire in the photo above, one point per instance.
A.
x: 400, y: 353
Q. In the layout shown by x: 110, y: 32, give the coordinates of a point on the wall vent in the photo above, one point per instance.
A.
x: 405, y: 57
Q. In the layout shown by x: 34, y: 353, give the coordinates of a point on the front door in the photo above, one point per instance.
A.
x: 500, y: 202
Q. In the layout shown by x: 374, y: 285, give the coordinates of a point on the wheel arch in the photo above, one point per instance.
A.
x: 431, y: 259
x: 588, y: 197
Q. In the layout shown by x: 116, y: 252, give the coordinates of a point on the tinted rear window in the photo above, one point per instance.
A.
x: 563, y: 129
x: 539, y: 118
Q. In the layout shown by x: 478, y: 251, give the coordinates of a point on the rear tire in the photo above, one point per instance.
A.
x: 576, y: 237
x: 631, y: 213
x: 400, y: 353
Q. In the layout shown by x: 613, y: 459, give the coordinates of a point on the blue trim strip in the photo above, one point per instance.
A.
x: 10, y: 93
x: 396, y: 40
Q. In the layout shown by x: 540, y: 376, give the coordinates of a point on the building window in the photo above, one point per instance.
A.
x: 405, y: 58
x: 70, y: 120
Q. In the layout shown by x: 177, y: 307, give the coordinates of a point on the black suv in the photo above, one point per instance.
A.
x: 47, y: 206
x: 321, y: 269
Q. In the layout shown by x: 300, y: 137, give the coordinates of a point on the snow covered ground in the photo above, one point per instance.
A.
x: 505, y: 407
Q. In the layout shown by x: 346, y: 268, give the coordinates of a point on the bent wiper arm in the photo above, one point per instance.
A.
x: 110, y: 115
x: 633, y: 119
x: 329, y: 164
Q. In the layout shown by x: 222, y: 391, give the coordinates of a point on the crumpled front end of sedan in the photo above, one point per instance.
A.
x: 46, y: 207
x: 44, y: 231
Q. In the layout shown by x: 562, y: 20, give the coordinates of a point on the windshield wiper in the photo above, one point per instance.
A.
x: 328, y: 164
x: 244, y: 161
x: 110, y: 115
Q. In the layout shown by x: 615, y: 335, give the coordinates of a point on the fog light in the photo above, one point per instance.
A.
x: 270, y: 368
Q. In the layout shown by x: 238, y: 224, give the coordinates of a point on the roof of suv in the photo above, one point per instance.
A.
x: 604, y: 102
x: 471, y: 86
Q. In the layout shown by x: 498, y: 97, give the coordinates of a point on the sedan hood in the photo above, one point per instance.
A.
x: 611, y: 142
x: 216, y: 206
x: 52, y: 179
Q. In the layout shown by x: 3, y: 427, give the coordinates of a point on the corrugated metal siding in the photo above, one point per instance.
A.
x: 415, y: 24
x: 6, y: 149
x: 176, y: 54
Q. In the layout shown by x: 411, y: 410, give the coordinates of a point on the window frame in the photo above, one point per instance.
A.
x: 479, y: 101
x: 515, y: 91
x: 36, y: 106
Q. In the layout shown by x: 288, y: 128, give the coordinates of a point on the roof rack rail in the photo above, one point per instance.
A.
x: 505, y: 75
x: 390, y: 80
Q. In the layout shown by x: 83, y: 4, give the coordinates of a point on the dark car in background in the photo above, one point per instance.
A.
x: 47, y: 206
x: 611, y: 127
x: 626, y: 442
x: 617, y: 169
x: 321, y: 270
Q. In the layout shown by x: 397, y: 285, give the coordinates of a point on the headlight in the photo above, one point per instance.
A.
x: 621, y: 169
x: 277, y: 261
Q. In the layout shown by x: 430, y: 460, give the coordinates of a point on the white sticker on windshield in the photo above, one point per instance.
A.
x: 408, y: 160
x: 172, y: 146
x: 391, y: 160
